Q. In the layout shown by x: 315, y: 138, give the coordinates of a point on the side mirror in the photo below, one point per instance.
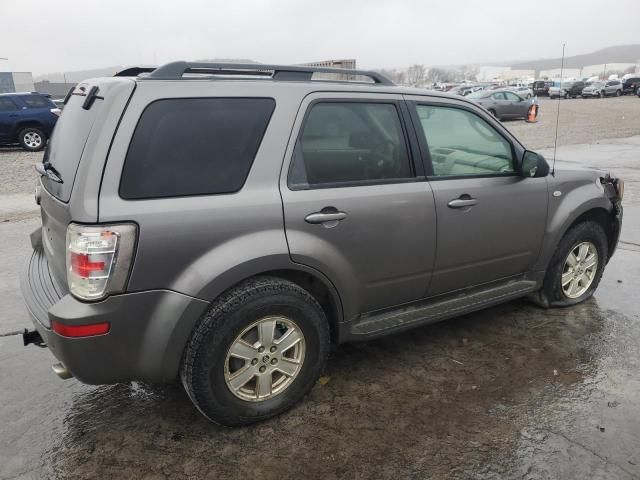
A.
x: 534, y: 165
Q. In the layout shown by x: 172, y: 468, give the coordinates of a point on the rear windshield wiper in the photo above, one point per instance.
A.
x: 49, y: 171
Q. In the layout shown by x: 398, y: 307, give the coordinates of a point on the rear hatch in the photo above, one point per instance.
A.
x: 77, y: 151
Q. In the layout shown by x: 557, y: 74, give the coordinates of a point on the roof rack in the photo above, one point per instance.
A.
x: 176, y: 71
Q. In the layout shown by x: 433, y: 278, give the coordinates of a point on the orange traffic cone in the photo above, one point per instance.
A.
x: 533, y: 113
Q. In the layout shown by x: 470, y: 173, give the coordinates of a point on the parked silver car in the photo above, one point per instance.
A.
x: 502, y: 104
x: 603, y: 89
x: 226, y: 228
x: 523, y: 91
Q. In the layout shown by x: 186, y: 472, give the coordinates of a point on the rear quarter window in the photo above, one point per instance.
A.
x: 194, y: 146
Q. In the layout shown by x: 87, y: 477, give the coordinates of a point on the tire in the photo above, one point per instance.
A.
x: 599, y: 95
x: 566, y: 96
x: 206, y: 373
x: 528, y: 96
x: 32, y: 139
x: 618, y: 93
x: 552, y: 293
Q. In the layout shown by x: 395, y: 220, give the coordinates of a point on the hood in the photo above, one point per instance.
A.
x: 569, y: 176
x: 571, y: 172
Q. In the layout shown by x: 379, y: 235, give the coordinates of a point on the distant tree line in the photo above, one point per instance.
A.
x: 419, y: 75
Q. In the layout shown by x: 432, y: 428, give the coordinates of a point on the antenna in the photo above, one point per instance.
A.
x: 555, y: 141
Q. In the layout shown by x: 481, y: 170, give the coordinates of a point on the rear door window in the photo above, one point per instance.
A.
x: 350, y: 143
x: 194, y: 146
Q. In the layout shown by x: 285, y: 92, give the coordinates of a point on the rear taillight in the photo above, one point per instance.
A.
x: 56, y: 111
x: 98, y: 259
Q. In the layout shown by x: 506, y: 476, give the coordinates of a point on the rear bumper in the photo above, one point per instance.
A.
x: 148, y: 333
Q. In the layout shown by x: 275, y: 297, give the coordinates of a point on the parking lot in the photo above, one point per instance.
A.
x: 510, y: 392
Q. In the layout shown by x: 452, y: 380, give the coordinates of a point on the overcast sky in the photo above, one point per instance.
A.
x: 45, y: 36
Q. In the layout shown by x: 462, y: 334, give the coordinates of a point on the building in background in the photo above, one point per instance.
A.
x: 602, y: 70
x: 566, y: 73
x: 11, y: 82
x: 55, y: 89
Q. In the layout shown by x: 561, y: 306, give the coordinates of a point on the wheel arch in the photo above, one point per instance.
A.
x: 310, y: 279
x: 21, y: 125
x: 595, y: 211
x: 602, y: 217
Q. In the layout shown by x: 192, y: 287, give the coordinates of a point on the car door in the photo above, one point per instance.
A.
x: 517, y: 106
x: 501, y: 104
x: 491, y: 220
x: 8, y: 114
x: 357, y: 206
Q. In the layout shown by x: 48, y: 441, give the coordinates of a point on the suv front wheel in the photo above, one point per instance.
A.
x: 576, y: 268
x: 32, y: 139
x: 256, y: 352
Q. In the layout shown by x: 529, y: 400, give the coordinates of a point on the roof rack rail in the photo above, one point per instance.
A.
x: 134, y: 71
x: 176, y: 71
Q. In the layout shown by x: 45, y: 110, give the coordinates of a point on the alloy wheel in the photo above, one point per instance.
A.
x: 32, y: 139
x: 579, y: 270
x: 264, y: 359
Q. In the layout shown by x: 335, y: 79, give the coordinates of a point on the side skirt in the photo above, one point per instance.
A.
x: 433, y: 310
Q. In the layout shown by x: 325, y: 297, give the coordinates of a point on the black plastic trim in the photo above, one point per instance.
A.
x: 176, y: 70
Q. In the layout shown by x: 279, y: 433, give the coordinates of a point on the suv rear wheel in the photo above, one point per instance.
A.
x: 256, y: 352
x: 576, y: 267
x: 32, y: 139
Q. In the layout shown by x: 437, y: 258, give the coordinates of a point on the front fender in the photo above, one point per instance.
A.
x: 576, y: 198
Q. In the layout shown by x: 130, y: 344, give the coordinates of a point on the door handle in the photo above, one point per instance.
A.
x: 322, y: 217
x: 462, y: 202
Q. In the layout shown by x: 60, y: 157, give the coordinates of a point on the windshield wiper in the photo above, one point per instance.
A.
x: 49, y: 171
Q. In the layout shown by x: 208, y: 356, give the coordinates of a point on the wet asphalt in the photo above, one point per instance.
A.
x: 510, y: 392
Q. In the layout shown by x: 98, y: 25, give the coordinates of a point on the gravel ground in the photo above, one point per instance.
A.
x: 17, y: 174
x: 580, y: 121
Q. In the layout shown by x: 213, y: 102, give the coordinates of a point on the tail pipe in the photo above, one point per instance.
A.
x: 61, y: 371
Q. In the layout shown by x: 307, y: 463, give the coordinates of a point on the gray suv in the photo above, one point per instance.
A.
x: 225, y: 224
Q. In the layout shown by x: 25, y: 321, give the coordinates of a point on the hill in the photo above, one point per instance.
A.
x: 615, y: 54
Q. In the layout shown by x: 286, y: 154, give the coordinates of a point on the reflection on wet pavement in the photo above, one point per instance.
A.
x: 511, y: 392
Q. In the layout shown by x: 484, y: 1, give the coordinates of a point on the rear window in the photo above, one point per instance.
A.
x: 194, y: 146
x: 36, y: 101
x: 67, y: 144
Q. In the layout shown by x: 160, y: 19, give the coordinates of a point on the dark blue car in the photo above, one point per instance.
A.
x: 27, y: 119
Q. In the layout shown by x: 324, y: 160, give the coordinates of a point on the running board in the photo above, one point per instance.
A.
x: 435, y: 310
